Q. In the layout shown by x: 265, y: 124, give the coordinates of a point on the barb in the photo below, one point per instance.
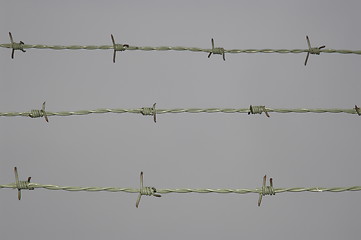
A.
x: 312, y: 50
x: 258, y: 110
x: 15, y: 46
x: 150, y: 111
x: 118, y: 47
x: 153, y: 111
x: 150, y: 191
x: 177, y: 48
x: 21, y: 184
x: 217, y: 51
x: 266, y: 190
x: 357, y: 109
x: 39, y: 113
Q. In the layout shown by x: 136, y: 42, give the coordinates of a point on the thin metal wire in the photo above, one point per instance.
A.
x: 151, y: 191
x: 169, y: 48
x: 153, y: 111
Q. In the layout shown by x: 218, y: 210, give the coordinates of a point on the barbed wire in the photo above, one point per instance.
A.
x: 214, y: 50
x: 153, y: 111
x: 152, y: 191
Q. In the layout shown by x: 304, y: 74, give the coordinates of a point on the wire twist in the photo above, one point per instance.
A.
x: 312, y: 50
x: 21, y: 184
x: 266, y: 190
x: 258, y: 110
x: 147, y: 191
x: 39, y: 113
x: 15, y: 46
x: 118, y: 47
x: 150, y: 111
x: 219, y: 51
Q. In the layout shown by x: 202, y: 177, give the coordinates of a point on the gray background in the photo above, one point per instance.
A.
x: 181, y: 150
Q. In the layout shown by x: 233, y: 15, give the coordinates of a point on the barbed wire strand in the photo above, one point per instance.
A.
x: 214, y: 50
x: 153, y: 111
x: 152, y: 191
x: 169, y: 48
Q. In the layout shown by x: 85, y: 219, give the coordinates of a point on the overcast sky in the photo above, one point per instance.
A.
x: 180, y: 150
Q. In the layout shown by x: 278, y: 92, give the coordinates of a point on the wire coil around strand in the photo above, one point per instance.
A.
x: 147, y: 191
x: 258, y: 110
x: 219, y: 51
x: 118, y: 47
x: 20, y: 185
x: 266, y: 190
x: 35, y: 113
x: 15, y: 46
x: 150, y: 111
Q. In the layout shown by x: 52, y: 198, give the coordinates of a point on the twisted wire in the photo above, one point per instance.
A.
x: 183, y: 190
x: 147, y: 111
x: 177, y: 48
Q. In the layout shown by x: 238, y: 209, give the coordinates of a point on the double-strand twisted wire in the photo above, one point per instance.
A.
x: 182, y: 110
x: 176, y: 48
x: 184, y: 190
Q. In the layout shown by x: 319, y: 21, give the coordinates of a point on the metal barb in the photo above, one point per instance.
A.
x: 258, y: 110
x: 357, y: 109
x: 149, y: 191
x: 117, y: 47
x: 15, y: 46
x: 150, y: 111
x: 21, y: 184
x: 217, y: 51
x: 266, y: 190
x: 39, y: 113
x: 44, y: 112
x: 312, y: 50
